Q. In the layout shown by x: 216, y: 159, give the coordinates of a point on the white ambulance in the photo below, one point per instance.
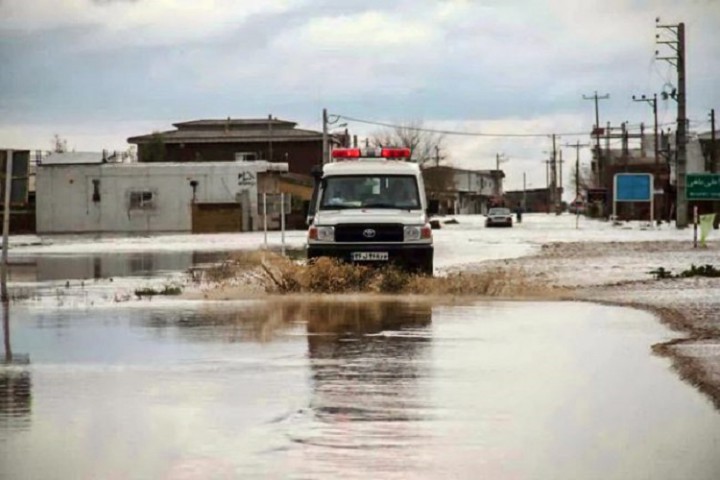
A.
x: 369, y: 207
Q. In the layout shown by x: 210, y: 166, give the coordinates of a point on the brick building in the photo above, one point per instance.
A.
x: 235, y: 140
x: 535, y: 200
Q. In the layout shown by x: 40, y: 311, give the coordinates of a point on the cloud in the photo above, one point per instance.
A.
x: 108, y: 2
x: 123, y: 23
x: 360, y: 33
x: 473, y: 64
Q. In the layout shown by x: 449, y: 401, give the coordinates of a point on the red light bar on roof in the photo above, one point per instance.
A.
x: 395, y: 153
x: 385, y: 152
x: 346, y: 153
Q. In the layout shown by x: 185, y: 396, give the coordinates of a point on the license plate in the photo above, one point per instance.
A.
x: 370, y: 256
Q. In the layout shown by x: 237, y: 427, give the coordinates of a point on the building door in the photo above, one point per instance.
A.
x: 217, y: 217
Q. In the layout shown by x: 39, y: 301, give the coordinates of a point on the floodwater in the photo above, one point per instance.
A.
x: 96, y: 266
x: 348, y: 388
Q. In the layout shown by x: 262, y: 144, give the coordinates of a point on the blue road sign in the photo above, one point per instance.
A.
x: 633, y: 187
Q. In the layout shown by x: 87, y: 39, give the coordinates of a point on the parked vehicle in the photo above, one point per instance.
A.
x: 576, y: 207
x: 499, y: 217
x: 370, y: 208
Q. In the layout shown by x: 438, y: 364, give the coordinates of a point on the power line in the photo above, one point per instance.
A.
x: 479, y: 134
x: 459, y: 133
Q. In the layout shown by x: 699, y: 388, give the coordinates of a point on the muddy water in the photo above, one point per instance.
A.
x: 349, y: 389
x: 95, y: 266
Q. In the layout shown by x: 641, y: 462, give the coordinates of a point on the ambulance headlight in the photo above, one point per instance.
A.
x: 326, y: 234
x: 412, y: 233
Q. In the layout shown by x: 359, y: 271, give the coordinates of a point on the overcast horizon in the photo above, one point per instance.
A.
x: 96, y: 72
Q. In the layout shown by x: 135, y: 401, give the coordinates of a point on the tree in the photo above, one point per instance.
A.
x: 425, y: 146
x: 583, y: 179
x: 59, y: 144
x: 425, y: 149
x: 154, y: 151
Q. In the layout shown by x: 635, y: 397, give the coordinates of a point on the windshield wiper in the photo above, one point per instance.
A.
x: 335, y: 207
x: 384, y: 205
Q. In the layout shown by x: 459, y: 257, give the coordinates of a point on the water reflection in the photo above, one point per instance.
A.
x: 349, y: 388
x: 329, y: 324
x: 15, y: 385
x: 96, y: 266
x: 369, y: 372
x: 254, y: 322
x: 6, y: 332
x: 366, y: 357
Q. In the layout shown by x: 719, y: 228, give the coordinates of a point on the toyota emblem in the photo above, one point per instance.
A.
x: 369, y: 233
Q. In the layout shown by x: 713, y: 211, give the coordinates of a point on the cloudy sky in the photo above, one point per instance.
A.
x: 99, y: 71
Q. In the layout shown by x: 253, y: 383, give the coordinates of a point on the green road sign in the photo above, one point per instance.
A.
x: 703, y: 186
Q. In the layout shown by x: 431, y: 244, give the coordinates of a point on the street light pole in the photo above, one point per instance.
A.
x: 597, y: 133
x: 325, y: 150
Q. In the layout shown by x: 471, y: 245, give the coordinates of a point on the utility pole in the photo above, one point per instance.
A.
x: 656, y: 145
x: 524, y: 197
x: 642, y: 140
x: 560, y: 169
x: 270, y: 145
x: 577, y: 171
x: 553, y: 175
x: 577, y: 148
x: 598, y: 151
x: 653, y: 103
x: 548, y: 200
x: 625, y: 146
x: 678, y: 46
x: 499, y: 158
x: 714, y: 167
x: 325, y: 149
x: 6, y: 226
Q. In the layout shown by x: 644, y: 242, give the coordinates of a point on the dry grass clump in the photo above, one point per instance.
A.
x: 272, y: 273
x: 237, y: 264
x: 331, y: 276
x: 325, y: 275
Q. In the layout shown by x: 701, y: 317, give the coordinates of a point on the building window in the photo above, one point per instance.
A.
x: 246, y: 156
x: 96, y: 190
x: 144, y: 200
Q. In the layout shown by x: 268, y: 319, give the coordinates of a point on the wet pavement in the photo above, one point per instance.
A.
x: 348, y: 388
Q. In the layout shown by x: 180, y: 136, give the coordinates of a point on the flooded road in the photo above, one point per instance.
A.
x: 98, y: 266
x: 351, y: 388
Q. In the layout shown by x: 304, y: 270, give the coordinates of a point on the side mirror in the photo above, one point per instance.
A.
x: 317, y: 172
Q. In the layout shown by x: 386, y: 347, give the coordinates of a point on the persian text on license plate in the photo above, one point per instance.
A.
x: 370, y: 256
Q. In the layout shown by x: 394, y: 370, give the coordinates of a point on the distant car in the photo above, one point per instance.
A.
x: 576, y: 207
x: 499, y: 217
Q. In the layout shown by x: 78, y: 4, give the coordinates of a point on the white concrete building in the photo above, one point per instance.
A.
x: 462, y: 191
x: 98, y: 197
x: 476, y: 189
